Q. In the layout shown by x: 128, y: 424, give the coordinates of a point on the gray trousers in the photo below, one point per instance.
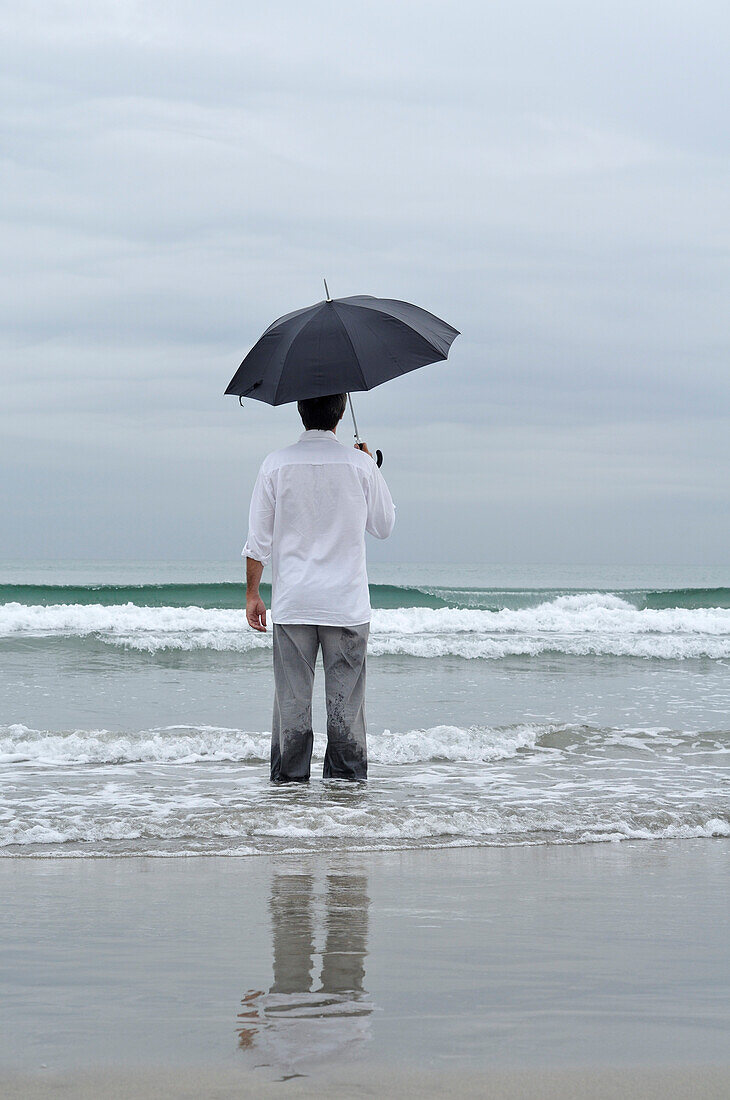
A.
x: 343, y: 656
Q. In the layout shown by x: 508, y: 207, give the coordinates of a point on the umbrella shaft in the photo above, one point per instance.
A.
x: 357, y: 434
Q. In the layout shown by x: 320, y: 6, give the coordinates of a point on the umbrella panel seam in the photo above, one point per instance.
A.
x: 343, y: 326
x: 289, y: 351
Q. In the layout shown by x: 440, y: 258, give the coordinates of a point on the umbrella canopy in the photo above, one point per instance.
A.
x: 340, y: 345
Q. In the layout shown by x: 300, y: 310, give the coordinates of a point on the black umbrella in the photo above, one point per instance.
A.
x: 340, y: 345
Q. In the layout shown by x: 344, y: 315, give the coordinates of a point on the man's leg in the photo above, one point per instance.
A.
x: 295, y: 654
x: 346, y: 921
x: 343, y: 653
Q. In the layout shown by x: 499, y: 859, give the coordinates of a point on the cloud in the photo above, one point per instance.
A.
x: 552, y: 180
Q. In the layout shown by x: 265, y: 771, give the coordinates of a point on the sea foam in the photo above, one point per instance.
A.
x: 176, y: 790
x: 201, y: 744
x: 590, y: 623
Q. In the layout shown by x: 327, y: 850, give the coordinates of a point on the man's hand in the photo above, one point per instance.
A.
x: 363, y: 447
x: 255, y: 606
x: 256, y: 613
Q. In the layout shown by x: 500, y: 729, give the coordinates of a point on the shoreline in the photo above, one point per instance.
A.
x: 75, y: 856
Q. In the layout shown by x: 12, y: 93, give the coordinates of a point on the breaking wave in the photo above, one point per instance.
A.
x: 201, y: 744
x: 577, y: 624
x: 230, y: 594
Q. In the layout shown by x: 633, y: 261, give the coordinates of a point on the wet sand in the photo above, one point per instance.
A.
x: 597, y: 1084
x: 591, y: 971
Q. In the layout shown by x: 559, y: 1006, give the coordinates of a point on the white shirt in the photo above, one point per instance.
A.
x: 311, y: 506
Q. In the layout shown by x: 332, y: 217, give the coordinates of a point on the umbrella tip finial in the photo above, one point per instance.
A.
x: 326, y: 290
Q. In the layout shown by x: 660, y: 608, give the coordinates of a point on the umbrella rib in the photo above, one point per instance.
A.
x: 343, y: 326
x: 400, y: 321
x: 387, y: 353
x: 298, y: 333
x: 262, y: 368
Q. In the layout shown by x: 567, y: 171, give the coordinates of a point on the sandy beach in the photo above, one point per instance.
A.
x: 586, y: 971
x: 603, y: 1084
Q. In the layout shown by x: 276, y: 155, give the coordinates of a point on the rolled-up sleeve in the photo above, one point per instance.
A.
x: 381, y: 510
x: 260, y: 521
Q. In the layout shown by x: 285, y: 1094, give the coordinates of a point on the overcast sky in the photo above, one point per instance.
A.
x: 551, y: 178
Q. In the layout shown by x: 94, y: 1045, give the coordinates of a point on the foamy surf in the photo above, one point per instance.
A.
x: 202, y: 744
x: 577, y: 625
x: 166, y: 835
x: 204, y: 790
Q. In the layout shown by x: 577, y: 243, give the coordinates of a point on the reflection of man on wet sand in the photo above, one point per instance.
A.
x: 291, y: 1026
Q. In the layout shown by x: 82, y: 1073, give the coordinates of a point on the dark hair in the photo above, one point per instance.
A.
x: 324, y: 413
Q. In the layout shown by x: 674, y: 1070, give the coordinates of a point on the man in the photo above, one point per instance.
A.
x: 311, y: 506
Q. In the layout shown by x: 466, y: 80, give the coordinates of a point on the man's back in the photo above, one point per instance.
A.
x: 311, y: 506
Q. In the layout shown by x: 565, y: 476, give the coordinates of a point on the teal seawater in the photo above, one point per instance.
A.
x: 592, y: 706
x: 232, y: 595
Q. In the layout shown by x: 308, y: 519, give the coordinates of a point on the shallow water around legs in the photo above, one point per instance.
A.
x: 496, y: 716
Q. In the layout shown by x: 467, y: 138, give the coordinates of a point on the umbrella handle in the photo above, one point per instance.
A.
x: 378, y: 454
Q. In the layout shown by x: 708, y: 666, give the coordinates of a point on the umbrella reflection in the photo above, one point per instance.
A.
x: 293, y: 1025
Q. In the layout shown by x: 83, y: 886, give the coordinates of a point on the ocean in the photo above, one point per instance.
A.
x: 536, y: 705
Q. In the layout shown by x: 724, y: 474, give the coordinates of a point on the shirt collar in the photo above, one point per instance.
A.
x: 318, y: 433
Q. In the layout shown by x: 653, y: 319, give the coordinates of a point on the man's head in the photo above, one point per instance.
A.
x: 324, y: 413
